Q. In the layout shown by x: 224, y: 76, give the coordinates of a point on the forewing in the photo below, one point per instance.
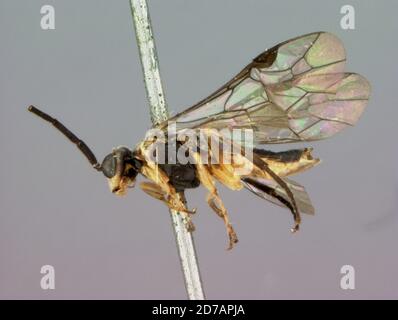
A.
x: 293, y: 92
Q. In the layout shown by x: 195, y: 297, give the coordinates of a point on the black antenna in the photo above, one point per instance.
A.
x: 67, y: 133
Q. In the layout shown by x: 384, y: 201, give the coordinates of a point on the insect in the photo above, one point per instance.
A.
x: 296, y: 91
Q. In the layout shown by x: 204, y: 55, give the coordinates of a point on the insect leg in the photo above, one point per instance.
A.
x: 269, y: 191
x: 186, y: 215
x: 175, y: 202
x: 294, y: 209
x: 154, y: 191
x: 214, y: 201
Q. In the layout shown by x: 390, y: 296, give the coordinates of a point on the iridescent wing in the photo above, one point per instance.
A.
x: 295, y: 91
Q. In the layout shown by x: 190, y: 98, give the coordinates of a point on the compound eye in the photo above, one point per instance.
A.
x: 109, y: 166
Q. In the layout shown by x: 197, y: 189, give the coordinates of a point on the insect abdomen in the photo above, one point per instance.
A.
x: 288, y: 162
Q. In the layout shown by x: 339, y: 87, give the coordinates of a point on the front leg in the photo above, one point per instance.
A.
x: 175, y: 201
x: 160, y: 188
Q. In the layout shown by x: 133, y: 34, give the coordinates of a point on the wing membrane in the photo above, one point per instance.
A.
x: 296, y: 91
x: 271, y: 191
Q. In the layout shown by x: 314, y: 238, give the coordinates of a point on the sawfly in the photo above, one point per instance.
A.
x: 296, y: 91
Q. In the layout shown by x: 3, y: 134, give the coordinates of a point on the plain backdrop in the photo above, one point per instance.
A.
x: 56, y: 210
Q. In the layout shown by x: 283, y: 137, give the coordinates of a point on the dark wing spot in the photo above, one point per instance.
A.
x: 267, y: 58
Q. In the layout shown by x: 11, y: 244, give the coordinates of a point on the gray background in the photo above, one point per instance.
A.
x: 56, y: 210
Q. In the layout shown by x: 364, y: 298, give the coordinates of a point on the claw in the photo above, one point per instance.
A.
x: 190, y: 226
x: 193, y: 211
x: 295, y: 228
x: 233, y: 238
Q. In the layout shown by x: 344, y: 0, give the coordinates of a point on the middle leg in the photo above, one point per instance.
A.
x: 214, y: 201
